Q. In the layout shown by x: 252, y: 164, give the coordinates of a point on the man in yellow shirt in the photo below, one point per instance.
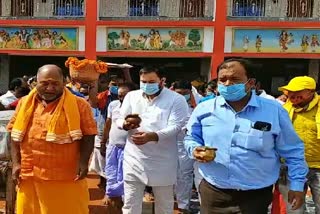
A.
x: 304, y: 111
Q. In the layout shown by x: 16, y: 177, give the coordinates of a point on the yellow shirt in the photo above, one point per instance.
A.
x: 305, y: 125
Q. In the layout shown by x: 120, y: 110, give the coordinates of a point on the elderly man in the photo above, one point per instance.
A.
x: 153, y: 117
x: 52, y: 135
x: 303, y: 109
x: 248, y: 134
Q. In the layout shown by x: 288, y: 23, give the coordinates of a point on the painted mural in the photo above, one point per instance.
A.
x: 38, y: 38
x: 162, y: 39
x: 276, y: 40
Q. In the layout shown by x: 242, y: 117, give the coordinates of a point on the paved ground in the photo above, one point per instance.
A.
x: 96, y: 195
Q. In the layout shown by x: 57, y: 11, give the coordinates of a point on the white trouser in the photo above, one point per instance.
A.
x: 133, y: 198
x: 184, y: 183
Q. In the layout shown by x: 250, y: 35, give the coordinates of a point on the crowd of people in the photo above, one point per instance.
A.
x: 228, y: 142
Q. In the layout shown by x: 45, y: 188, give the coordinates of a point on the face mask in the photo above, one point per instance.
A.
x: 233, y: 92
x: 187, y: 97
x: 114, y: 90
x: 149, y: 88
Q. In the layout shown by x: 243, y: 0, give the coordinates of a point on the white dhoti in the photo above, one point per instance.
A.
x: 98, y: 162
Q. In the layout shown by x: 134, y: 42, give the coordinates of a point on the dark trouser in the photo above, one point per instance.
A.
x: 229, y: 201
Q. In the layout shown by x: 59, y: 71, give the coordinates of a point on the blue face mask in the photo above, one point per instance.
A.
x: 114, y: 90
x: 232, y: 92
x: 187, y: 97
x: 149, y: 88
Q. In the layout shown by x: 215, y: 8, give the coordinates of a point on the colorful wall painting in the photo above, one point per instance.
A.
x: 25, y: 38
x: 154, y: 39
x: 276, y: 40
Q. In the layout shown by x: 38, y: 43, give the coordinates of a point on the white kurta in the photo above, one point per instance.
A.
x: 154, y: 163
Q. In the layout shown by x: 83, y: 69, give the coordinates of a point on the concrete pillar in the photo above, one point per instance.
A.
x: 314, y: 68
x: 4, y: 73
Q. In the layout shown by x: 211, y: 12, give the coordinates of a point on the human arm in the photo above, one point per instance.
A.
x: 291, y: 148
x: 105, y: 136
x: 194, y: 138
x: 86, y: 148
x: 15, y: 149
x: 89, y: 130
x: 177, y: 119
x: 93, y: 92
x: 127, y: 75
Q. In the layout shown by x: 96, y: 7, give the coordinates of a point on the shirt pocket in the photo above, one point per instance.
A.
x: 254, y: 140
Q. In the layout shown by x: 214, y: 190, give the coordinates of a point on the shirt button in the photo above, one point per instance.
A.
x: 233, y: 144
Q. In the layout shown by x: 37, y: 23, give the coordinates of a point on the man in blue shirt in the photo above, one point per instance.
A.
x: 250, y: 134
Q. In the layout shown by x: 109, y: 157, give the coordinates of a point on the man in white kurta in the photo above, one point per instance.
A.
x: 154, y: 163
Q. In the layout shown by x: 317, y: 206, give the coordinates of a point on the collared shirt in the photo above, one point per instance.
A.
x: 154, y: 163
x: 7, y: 98
x: 51, y: 161
x: 209, y: 97
x: 246, y: 158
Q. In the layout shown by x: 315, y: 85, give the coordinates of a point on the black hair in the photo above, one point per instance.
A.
x: 151, y: 69
x: 130, y: 85
x: 247, y: 64
x: 213, y: 84
x: 182, y: 84
x: 16, y: 82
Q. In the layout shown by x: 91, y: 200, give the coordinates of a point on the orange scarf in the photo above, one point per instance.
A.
x: 58, y: 131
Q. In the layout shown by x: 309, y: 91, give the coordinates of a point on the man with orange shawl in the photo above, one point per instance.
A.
x: 52, y: 135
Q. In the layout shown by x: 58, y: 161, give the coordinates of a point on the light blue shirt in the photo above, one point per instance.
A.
x: 246, y: 158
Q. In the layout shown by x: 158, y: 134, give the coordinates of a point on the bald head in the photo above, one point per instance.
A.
x: 50, y: 69
x: 50, y: 82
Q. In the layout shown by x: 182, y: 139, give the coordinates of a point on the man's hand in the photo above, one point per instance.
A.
x: 141, y: 138
x: 103, y: 148
x: 16, y: 169
x: 132, y: 121
x: 83, y: 172
x: 199, y: 155
x: 296, y: 199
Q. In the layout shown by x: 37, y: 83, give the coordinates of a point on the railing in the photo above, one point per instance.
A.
x: 291, y: 10
x: 156, y: 9
x: 60, y: 9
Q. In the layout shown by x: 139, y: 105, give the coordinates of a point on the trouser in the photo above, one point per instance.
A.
x: 226, y: 201
x: 133, y: 198
x: 313, y: 182
x: 52, y: 197
x: 114, y: 170
x: 184, y: 183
